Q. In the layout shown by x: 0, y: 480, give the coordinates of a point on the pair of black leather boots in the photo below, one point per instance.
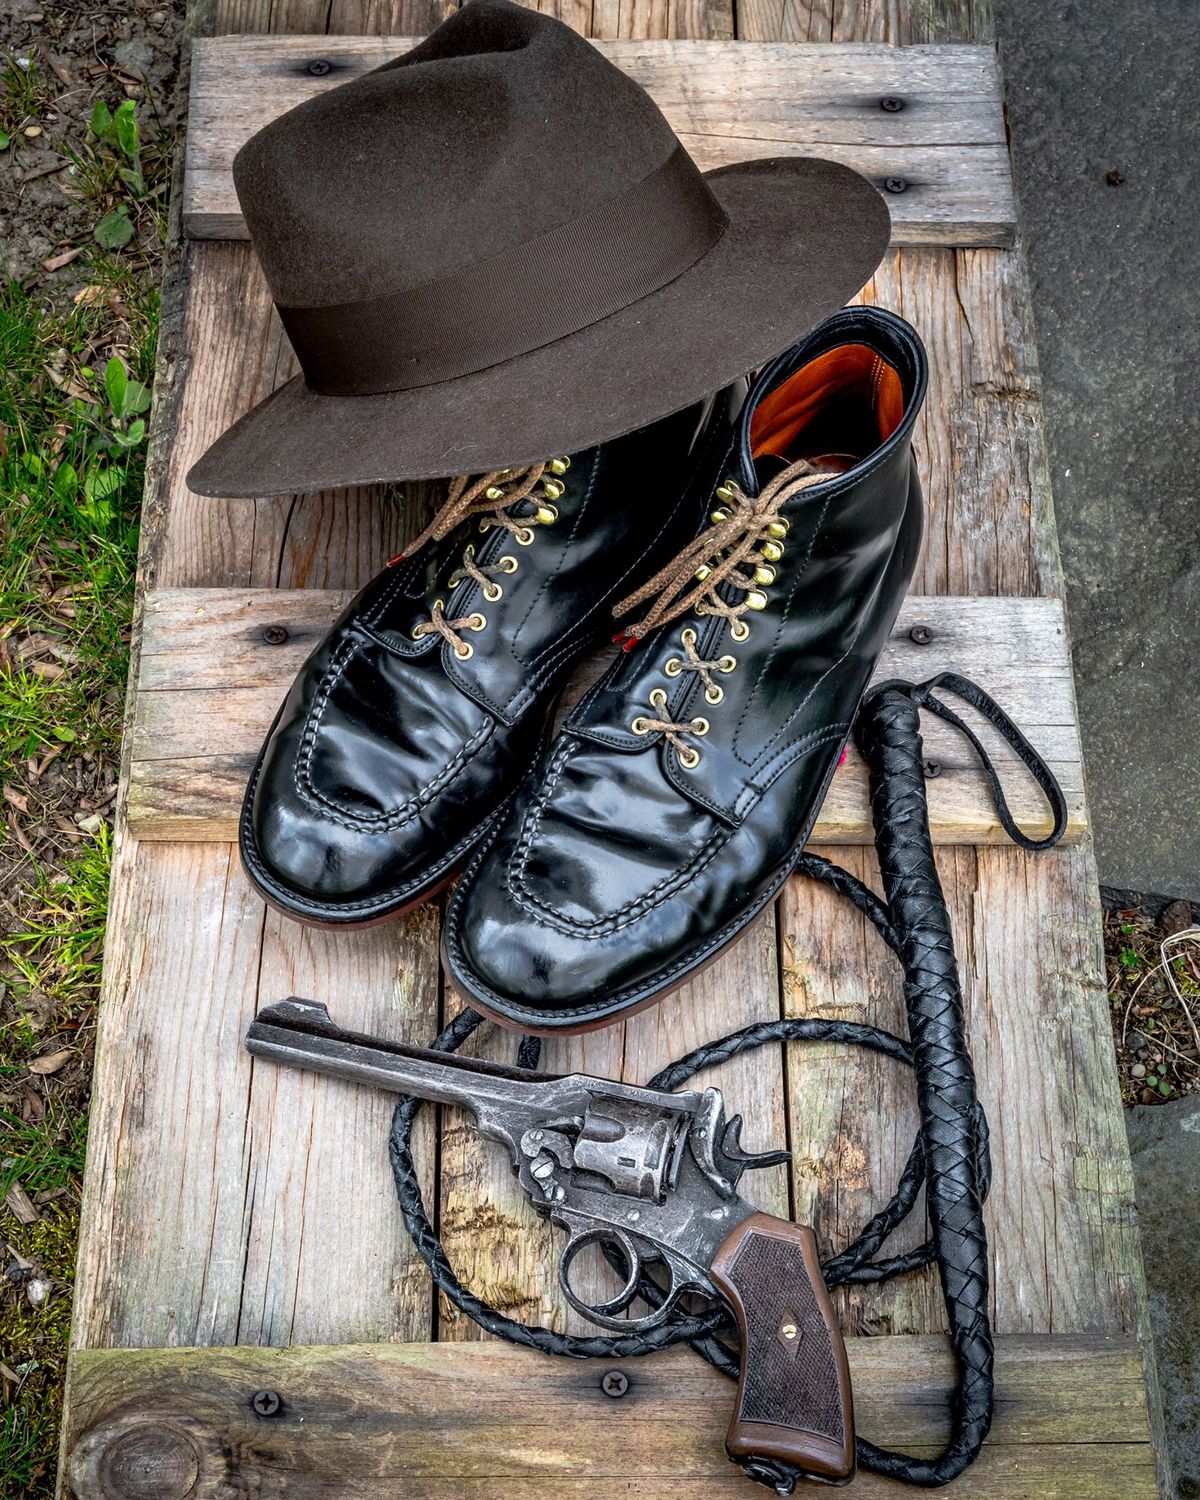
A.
x: 755, y: 552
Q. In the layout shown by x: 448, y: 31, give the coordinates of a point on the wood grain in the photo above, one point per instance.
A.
x: 421, y: 1420
x: 213, y: 673
x: 727, y: 101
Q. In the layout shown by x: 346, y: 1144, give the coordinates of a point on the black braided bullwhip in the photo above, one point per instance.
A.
x: 949, y: 1157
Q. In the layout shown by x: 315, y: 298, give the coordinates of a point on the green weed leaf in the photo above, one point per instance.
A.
x: 99, y: 485
x: 4, y: 140
x: 66, y: 483
x: 133, y: 180
x: 125, y: 127
x: 115, y: 382
x: 137, y: 399
x: 114, y: 230
x: 102, y: 121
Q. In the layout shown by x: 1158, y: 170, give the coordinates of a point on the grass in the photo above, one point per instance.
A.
x: 78, y: 363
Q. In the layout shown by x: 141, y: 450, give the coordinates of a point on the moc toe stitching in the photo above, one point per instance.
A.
x: 337, y: 812
x: 612, y: 921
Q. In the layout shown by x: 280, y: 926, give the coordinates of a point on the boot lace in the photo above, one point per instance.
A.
x: 719, y: 555
x: 493, y: 497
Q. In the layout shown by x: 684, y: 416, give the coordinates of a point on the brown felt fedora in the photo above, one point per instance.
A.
x: 495, y: 248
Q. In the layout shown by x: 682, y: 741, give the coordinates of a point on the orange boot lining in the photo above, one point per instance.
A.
x: 834, y: 411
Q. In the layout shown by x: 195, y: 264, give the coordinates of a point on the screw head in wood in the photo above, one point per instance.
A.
x: 266, y: 1403
x: 922, y: 634
x: 891, y: 104
x: 614, y: 1383
x: 895, y: 184
x: 931, y: 768
x: 319, y: 67
x: 275, y: 635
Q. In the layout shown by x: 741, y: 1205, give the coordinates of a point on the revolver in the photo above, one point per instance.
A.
x: 652, y: 1176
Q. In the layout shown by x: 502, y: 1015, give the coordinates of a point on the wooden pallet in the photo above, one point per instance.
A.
x: 230, y: 1209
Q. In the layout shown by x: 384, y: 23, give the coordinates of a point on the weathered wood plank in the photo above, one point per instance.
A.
x: 727, y: 101
x: 221, y: 649
x: 426, y: 1420
x: 214, y: 1188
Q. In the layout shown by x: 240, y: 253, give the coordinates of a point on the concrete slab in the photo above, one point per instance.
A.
x: 1164, y: 1142
x: 1109, y: 87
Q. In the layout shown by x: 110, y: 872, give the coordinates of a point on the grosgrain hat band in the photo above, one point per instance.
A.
x: 516, y: 301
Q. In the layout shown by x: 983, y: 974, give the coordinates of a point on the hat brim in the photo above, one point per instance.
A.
x: 804, y: 235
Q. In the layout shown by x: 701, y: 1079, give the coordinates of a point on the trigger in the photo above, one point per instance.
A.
x: 748, y: 1161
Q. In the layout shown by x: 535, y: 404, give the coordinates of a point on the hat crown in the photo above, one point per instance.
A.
x: 501, y: 125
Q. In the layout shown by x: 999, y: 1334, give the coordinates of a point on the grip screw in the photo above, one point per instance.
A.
x: 275, y: 635
x: 891, y: 105
x: 896, y: 184
x: 788, y: 1330
x: 266, y: 1403
x: 921, y: 634
x: 614, y: 1383
x: 931, y: 768
x: 319, y: 67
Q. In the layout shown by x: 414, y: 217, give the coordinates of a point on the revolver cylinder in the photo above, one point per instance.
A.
x: 636, y: 1148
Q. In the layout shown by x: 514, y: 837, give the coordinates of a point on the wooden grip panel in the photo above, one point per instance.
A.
x: 793, y: 1402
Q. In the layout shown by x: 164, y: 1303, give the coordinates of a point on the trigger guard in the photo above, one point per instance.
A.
x: 603, y: 1314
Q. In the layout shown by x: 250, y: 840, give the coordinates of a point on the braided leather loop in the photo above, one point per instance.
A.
x: 950, y: 1155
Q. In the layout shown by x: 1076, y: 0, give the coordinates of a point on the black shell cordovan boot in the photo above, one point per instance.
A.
x: 680, y: 792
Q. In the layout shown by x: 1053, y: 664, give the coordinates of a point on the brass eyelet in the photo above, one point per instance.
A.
x: 700, y: 726
x: 476, y: 622
x: 546, y: 515
x: 508, y: 563
x: 492, y: 592
x: 740, y: 631
x: 559, y: 465
x: 673, y: 666
x: 553, y: 489
x: 756, y: 599
x: 525, y: 537
x: 688, y: 636
x: 718, y: 515
x: 689, y: 759
x: 702, y: 572
x: 727, y: 664
x: 765, y: 575
x: 454, y: 580
x: 419, y: 632
x: 779, y: 527
x: 728, y: 490
x: 469, y: 550
x: 658, y: 698
x: 640, y: 725
x: 494, y: 492
x: 714, y: 694
x: 701, y: 608
x: 464, y: 652
x: 485, y: 524
x: 772, y: 551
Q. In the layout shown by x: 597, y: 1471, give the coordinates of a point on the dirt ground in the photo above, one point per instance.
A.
x: 71, y: 55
